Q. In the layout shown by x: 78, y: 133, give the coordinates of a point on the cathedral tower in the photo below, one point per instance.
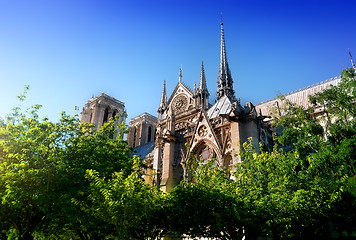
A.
x: 142, y: 130
x: 100, y: 109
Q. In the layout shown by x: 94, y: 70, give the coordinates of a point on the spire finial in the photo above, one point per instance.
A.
x: 352, y: 61
x: 180, y: 74
x: 221, y: 19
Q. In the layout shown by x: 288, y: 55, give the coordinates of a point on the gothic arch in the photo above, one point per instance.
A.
x: 228, y: 161
x: 106, y: 114
x: 91, y: 115
x: 206, y: 143
x: 115, y: 113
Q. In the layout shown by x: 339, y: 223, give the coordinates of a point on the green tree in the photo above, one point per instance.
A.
x: 29, y: 150
x: 205, y: 206
x: 340, y: 108
x: 125, y: 205
x: 288, y: 199
x: 307, y: 188
x: 302, y: 132
x: 93, y: 150
x: 42, y: 169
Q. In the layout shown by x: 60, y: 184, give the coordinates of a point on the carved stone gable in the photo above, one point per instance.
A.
x: 204, y: 133
x: 181, y: 99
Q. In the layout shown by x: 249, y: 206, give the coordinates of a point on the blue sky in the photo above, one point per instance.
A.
x: 70, y: 50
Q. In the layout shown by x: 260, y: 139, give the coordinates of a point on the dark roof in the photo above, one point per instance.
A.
x: 222, y: 106
x: 145, y: 150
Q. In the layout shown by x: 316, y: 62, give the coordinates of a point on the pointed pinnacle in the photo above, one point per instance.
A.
x: 163, y: 102
x: 202, y: 82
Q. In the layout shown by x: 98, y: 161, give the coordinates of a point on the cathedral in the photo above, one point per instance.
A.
x: 186, y: 120
x: 188, y: 126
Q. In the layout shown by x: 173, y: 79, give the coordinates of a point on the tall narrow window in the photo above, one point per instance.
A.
x: 91, y: 115
x: 106, y: 115
x: 149, y: 134
x: 134, y: 139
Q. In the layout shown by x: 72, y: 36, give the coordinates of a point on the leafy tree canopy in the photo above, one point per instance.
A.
x: 43, y: 167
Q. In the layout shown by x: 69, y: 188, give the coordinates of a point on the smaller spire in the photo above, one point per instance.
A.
x: 202, y: 93
x: 180, y: 75
x: 352, y: 61
x: 202, y: 82
x: 163, y: 103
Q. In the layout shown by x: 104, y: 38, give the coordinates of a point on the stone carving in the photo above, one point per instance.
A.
x: 180, y: 103
x: 206, y: 153
x: 202, y: 131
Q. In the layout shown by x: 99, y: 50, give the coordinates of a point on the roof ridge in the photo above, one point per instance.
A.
x: 302, y: 89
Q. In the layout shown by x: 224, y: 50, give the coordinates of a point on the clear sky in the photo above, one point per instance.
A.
x: 70, y: 50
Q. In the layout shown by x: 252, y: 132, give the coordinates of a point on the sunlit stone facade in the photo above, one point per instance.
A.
x: 101, y: 109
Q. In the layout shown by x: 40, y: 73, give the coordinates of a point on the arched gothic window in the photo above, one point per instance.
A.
x: 205, y: 153
x: 106, y: 115
x: 114, y: 114
x: 91, y: 115
x: 134, y: 138
x: 149, y: 134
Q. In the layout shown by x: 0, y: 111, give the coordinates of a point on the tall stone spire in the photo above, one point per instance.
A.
x: 224, y: 77
x: 163, y: 104
x: 352, y: 61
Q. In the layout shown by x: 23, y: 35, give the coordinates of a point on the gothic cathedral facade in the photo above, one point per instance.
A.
x: 186, y: 120
x: 188, y: 126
